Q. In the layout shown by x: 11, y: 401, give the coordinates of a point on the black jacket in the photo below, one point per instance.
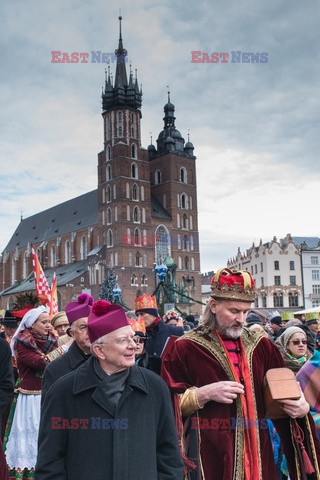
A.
x: 157, y: 337
x: 6, y: 375
x: 135, y: 441
x: 61, y: 366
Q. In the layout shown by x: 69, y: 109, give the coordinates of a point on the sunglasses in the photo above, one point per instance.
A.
x: 138, y: 340
x: 297, y: 342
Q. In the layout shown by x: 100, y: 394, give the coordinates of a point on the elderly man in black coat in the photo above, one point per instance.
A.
x: 77, y: 313
x: 109, y: 419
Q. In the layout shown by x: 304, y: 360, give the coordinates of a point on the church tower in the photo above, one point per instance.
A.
x: 147, y: 203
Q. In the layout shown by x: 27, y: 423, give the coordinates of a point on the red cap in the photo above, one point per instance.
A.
x: 105, y: 318
x: 79, y: 309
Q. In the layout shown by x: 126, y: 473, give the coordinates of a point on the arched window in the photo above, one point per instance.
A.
x: 108, y: 194
x: 107, y: 127
x: 127, y: 190
x: 190, y: 204
x: 185, y: 242
x: 191, y: 242
x: 115, y: 213
x: 133, y: 126
x: 134, y: 171
x: 178, y: 200
x: 183, y: 175
x: 128, y: 213
x: 133, y: 151
x: 67, y: 252
x: 103, y: 196
x: 278, y: 300
x: 53, y: 256
x: 192, y: 263
x: 144, y: 282
x: 13, y: 270
x: 293, y: 299
x: 138, y: 260
x: 145, y: 259
x: 142, y: 193
x: 185, y: 222
x: 114, y: 191
x: 184, y: 201
x: 143, y: 215
x: 103, y: 217
x: 162, y: 244
x: 134, y: 280
x: 178, y: 220
x: 108, y: 173
x: 111, y: 260
x: 25, y: 264
x: 136, y: 215
x: 137, y: 237
x: 135, y: 192
x: 179, y: 263
x: 191, y: 223
x: 130, y: 259
x: 108, y: 152
x: 157, y: 177
x: 110, y: 238
x: 179, y: 241
x: 186, y: 263
x: 83, y: 248
x: 109, y: 216
x: 120, y: 124
x: 116, y: 259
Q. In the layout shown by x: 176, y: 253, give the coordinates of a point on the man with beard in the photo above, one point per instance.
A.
x: 216, y: 375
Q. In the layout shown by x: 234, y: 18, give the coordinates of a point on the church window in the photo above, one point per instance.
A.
x: 109, y: 176
x: 108, y: 152
x: 134, y: 280
x: 137, y: 237
x: 120, y: 124
x: 133, y: 151
x: 162, y: 244
x: 185, y: 222
x: 83, y: 248
x: 67, y: 252
x: 157, y: 177
x: 134, y: 171
x: 109, y: 216
x: 184, y: 201
x: 135, y: 192
x: 138, y: 260
x: 183, y: 175
x: 142, y: 193
x: 108, y: 194
x: 109, y: 238
x: 136, y: 215
x: 144, y: 282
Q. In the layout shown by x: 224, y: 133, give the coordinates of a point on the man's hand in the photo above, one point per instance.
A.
x: 296, y: 408
x: 222, y: 392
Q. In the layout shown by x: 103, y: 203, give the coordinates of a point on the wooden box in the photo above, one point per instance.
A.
x: 279, y: 384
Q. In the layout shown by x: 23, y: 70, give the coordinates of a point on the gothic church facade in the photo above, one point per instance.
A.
x: 142, y: 214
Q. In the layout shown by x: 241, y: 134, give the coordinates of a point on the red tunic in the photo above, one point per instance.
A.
x: 196, y: 361
x: 31, y: 365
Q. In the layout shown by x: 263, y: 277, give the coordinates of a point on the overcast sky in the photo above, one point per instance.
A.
x: 254, y: 126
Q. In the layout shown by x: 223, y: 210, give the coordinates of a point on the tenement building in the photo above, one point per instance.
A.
x: 142, y: 214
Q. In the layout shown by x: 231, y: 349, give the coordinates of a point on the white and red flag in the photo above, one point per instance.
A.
x: 42, y: 287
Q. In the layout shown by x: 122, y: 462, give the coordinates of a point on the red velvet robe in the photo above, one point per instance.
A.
x: 194, y: 360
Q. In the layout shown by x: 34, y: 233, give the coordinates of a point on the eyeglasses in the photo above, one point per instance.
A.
x: 122, y: 342
x: 138, y: 340
x: 297, y: 342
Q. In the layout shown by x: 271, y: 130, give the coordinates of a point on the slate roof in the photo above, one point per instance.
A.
x: 311, y: 242
x: 157, y: 210
x: 65, y: 274
x: 70, y: 216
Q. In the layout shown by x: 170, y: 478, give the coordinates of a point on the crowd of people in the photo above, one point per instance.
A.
x: 94, y: 393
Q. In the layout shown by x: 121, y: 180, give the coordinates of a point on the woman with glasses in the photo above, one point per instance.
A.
x: 142, y: 358
x: 293, y: 346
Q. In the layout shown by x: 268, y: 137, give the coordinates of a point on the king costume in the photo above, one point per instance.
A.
x: 230, y: 441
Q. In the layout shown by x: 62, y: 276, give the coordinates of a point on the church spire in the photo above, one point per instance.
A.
x: 121, y: 72
x: 121, y: 93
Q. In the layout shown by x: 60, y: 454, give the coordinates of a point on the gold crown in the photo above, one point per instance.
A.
x: 233, y: 285
x: 137, y: 325
x: 312, y: 316
x: 145, y: 301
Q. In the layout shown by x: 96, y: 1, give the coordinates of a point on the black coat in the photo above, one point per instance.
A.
x: 140, y: 444
x: 6, y: 376
x: 156, y: 340
x: 61, y: 366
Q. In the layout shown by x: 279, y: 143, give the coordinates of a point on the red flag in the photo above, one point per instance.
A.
x: 54, y: 295
x: 42, y: 286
